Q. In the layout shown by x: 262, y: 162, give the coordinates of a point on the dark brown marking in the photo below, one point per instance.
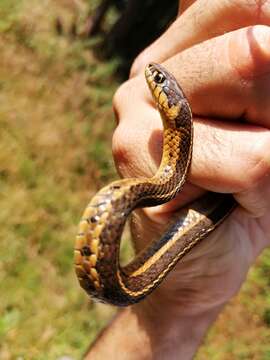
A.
x: 85, y: 250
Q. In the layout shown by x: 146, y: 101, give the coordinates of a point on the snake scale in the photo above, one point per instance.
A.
x: 98, y: 240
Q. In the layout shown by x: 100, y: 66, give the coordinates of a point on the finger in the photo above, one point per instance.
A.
x: 201, y: 21
x: 228, y: 76
x: 232, y: 157
x: 227, y: 157
x: 231, y: 77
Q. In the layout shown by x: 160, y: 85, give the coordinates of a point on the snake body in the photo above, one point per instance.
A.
x: 98, y: 240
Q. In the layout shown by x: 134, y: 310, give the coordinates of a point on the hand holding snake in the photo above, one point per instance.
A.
x: 98, y: 240
x: 97, y: 246
x: 97, y: 253
x: 226, y: 81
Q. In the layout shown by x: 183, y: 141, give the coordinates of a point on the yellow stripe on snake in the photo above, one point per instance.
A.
x: 98, y: 240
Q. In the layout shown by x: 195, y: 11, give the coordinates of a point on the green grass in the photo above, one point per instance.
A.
x: 55, y: 130
x: 56, y: 123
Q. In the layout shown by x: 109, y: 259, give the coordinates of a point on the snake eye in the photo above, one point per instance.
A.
x: 159, y: 78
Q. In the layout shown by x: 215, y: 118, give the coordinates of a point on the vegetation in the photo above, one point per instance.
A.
x: 56, y: 124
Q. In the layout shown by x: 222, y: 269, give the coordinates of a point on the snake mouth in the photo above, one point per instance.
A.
x: 156, y: 81
x: 149, y: 71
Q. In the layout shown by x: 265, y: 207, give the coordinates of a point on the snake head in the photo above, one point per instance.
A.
x: 165, y: 90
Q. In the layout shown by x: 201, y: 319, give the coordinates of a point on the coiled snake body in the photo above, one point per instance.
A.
x: 100, y: 229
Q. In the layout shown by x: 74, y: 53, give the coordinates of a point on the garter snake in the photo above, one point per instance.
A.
x: 100, y: 229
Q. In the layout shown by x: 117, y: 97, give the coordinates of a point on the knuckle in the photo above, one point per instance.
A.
x: 251, y: 64
x: 259, y: 163
x: 122, y: 148
x: 135, y: 67
x: 120, y: 98
x: 139, y: 64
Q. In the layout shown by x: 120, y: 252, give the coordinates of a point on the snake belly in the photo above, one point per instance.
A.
x: 97, y: 247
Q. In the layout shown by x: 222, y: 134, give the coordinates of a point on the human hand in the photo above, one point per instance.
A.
x: 227, y: 83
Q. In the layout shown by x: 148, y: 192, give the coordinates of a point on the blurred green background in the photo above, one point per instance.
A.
x: 56, y: 124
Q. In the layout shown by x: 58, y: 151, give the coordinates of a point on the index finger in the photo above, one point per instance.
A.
x: 202, y: 21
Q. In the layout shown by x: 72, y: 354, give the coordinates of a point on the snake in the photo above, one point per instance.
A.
x: 97, y: 246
